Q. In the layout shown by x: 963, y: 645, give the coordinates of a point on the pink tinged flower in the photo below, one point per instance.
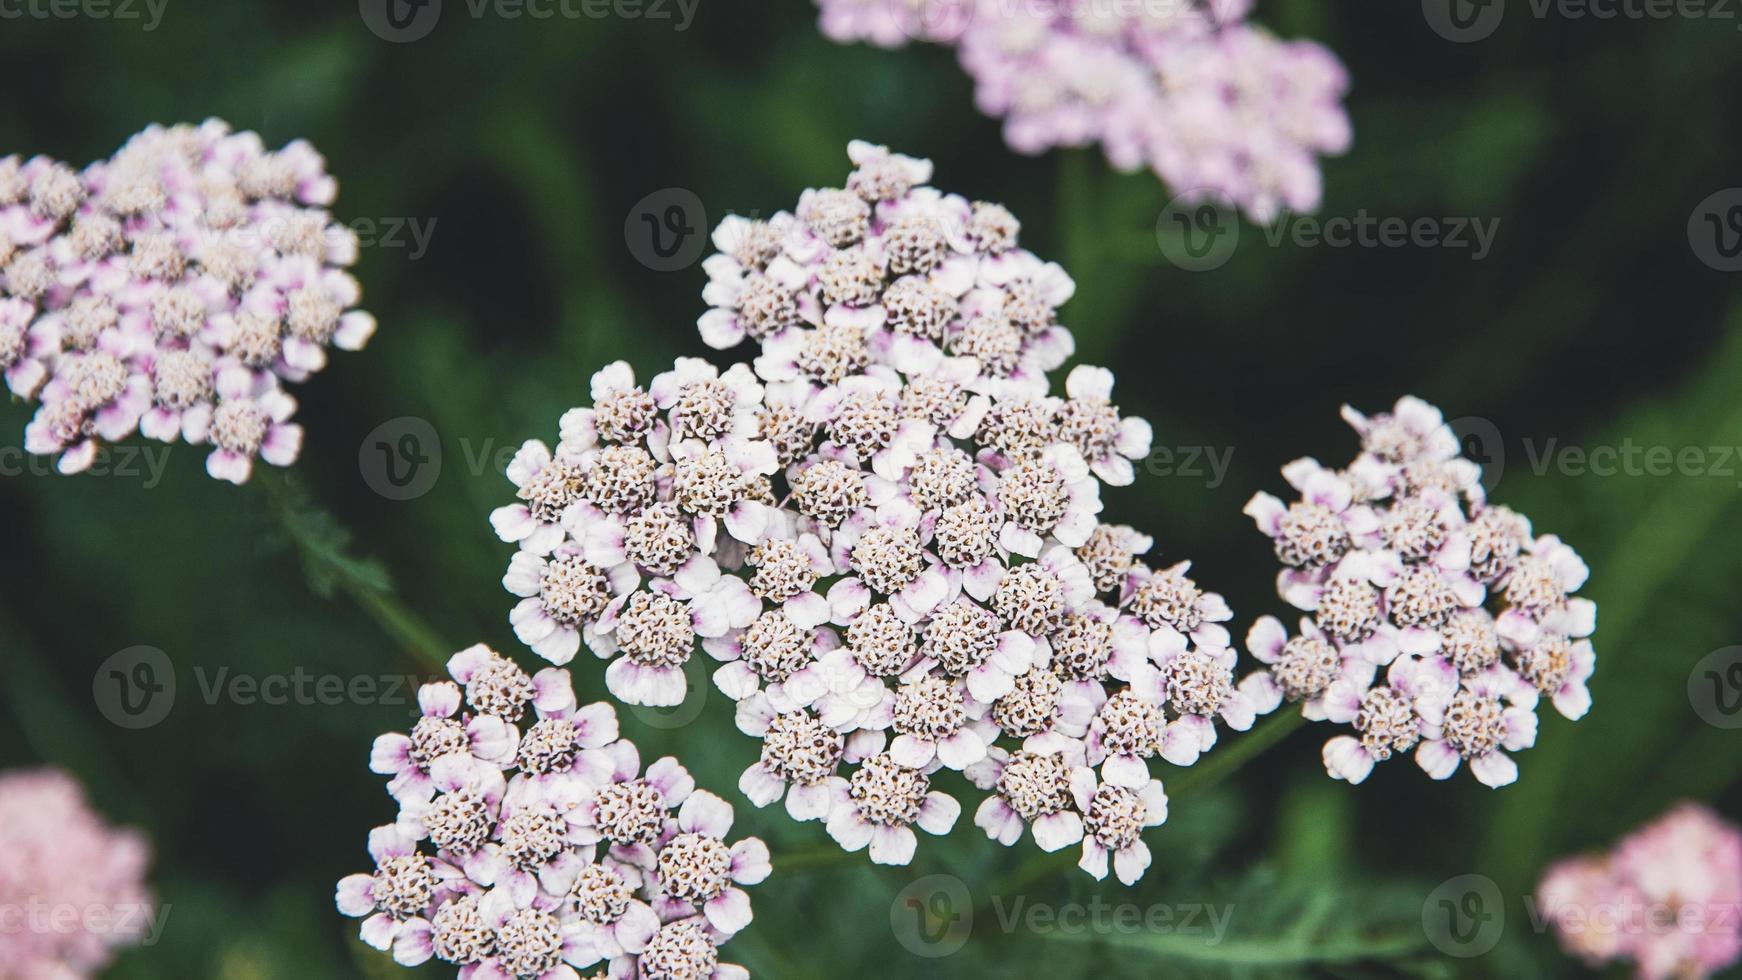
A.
x: 1110, y: 443
x: 441, y: 746
x: 879, y: 806
x: 396, y: 899
x: 1413, y: 430
x: 873, y: 21
x: 697, y: 867
x: 1346, y: 759
x: 563, y: 599
x: 931, y: 718
x: 59, y: 853
x: 1114, y: 818
x: 247, y: 425
x: 611, y: 923
x: 1030, y: 787
x: 547, y: 488
x: 718, y: 603
x: 844, y: 696
x: 798, y: 749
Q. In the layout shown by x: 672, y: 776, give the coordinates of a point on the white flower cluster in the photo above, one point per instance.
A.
x: 170, y: 291
x: 1401, y: 563
x: 533, y: 855
x: 887, y: 533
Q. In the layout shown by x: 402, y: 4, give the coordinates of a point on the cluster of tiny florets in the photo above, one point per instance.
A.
x: 172, y: 291
x: 624, y: 526
x: 1401, y: 562
x: 530, y: 843
x: 886, y: 530
x: 1211, y: 103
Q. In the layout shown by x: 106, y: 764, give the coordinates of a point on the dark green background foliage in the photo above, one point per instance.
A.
x: 528, y: 142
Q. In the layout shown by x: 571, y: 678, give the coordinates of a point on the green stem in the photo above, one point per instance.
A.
x: 407, y: 628
x: 1221, y: 765
x: 319, y: 541
x: 1258, y: 952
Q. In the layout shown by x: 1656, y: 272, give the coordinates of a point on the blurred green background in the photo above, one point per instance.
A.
x: 522, y: 147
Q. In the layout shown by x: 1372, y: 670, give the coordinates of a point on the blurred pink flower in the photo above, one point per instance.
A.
x: 79, y: 882
x: 1214, y: 106
x: 1666, y: 898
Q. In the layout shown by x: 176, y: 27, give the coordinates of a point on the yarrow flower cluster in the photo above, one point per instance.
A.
x: 171, y: 291
x: 1212, y: 104
x: 531, y: 844
x: 887, y: 534
x: 1401, y: 563
x: 1667, y: 898
x: 61, y: 860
